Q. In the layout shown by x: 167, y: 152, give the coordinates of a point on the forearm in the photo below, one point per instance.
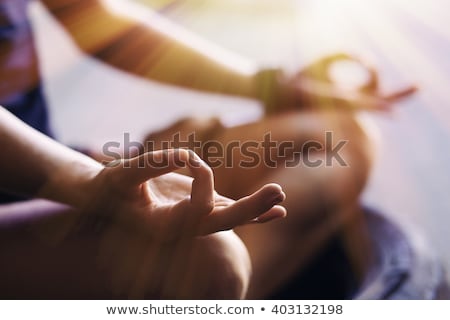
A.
x: 34, y: 165
x: 156, y: 50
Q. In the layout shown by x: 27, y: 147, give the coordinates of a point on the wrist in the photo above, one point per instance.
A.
x: 271, y: 89
x: 72, y: 183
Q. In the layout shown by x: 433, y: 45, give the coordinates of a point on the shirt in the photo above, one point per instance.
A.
x: 20, y: 80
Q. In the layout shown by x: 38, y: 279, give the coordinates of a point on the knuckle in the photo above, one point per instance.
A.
x: 207, y: 171
x: 204, y: 207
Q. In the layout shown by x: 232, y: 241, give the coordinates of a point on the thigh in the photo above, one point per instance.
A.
x: 243, y: 155
x: 41, y: 258
x: 321, y: 200
x: 293, y: 154
x: 48, y: 252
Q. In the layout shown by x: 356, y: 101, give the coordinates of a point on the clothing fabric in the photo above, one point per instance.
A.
x: 20, y: 80
x: 21, y: 89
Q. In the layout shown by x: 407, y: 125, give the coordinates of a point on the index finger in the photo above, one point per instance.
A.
x: 400, y: 94
x: 202, y: 192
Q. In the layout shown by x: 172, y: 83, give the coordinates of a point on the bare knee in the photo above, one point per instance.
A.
x: 348, y: 148
x: 360, y: 136
x: 213, y: 267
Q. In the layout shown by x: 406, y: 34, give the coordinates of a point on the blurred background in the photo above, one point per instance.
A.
x: 407, y: 40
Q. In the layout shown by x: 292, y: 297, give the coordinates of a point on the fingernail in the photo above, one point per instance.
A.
x: 194, y: 159
x: 277, y: 199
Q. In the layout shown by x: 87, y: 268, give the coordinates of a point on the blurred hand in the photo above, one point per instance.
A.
x: 313, y: 87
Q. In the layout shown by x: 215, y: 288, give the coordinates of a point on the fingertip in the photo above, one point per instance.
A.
x: 413, y: 88
x: 279, y: 211
x: 272, y: 194
x: 284, y: 210
x: 276, y: 212
x: 401, y: 94
x: 194, y: 160
x: 272, y: 189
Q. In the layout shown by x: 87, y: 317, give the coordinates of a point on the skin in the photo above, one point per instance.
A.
x: 130, y: 200
x: 146, y: 51
x: 157, y: 220
x: 321, y: 201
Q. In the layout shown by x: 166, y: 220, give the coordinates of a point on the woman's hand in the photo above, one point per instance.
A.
x: 141, y: 193
x: 314, y: 88
x: 315, y: 85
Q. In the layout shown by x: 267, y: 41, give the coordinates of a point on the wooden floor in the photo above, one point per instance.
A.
x: 409, y: 41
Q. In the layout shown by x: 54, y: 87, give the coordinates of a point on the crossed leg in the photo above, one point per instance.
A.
x: 321, y: 200
x: 44, y: 257
x: 47, y: 261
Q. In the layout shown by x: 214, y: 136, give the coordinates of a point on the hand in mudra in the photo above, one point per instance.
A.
x: 141, y: 193
x: 153, y: 243
x: 314, y: 88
